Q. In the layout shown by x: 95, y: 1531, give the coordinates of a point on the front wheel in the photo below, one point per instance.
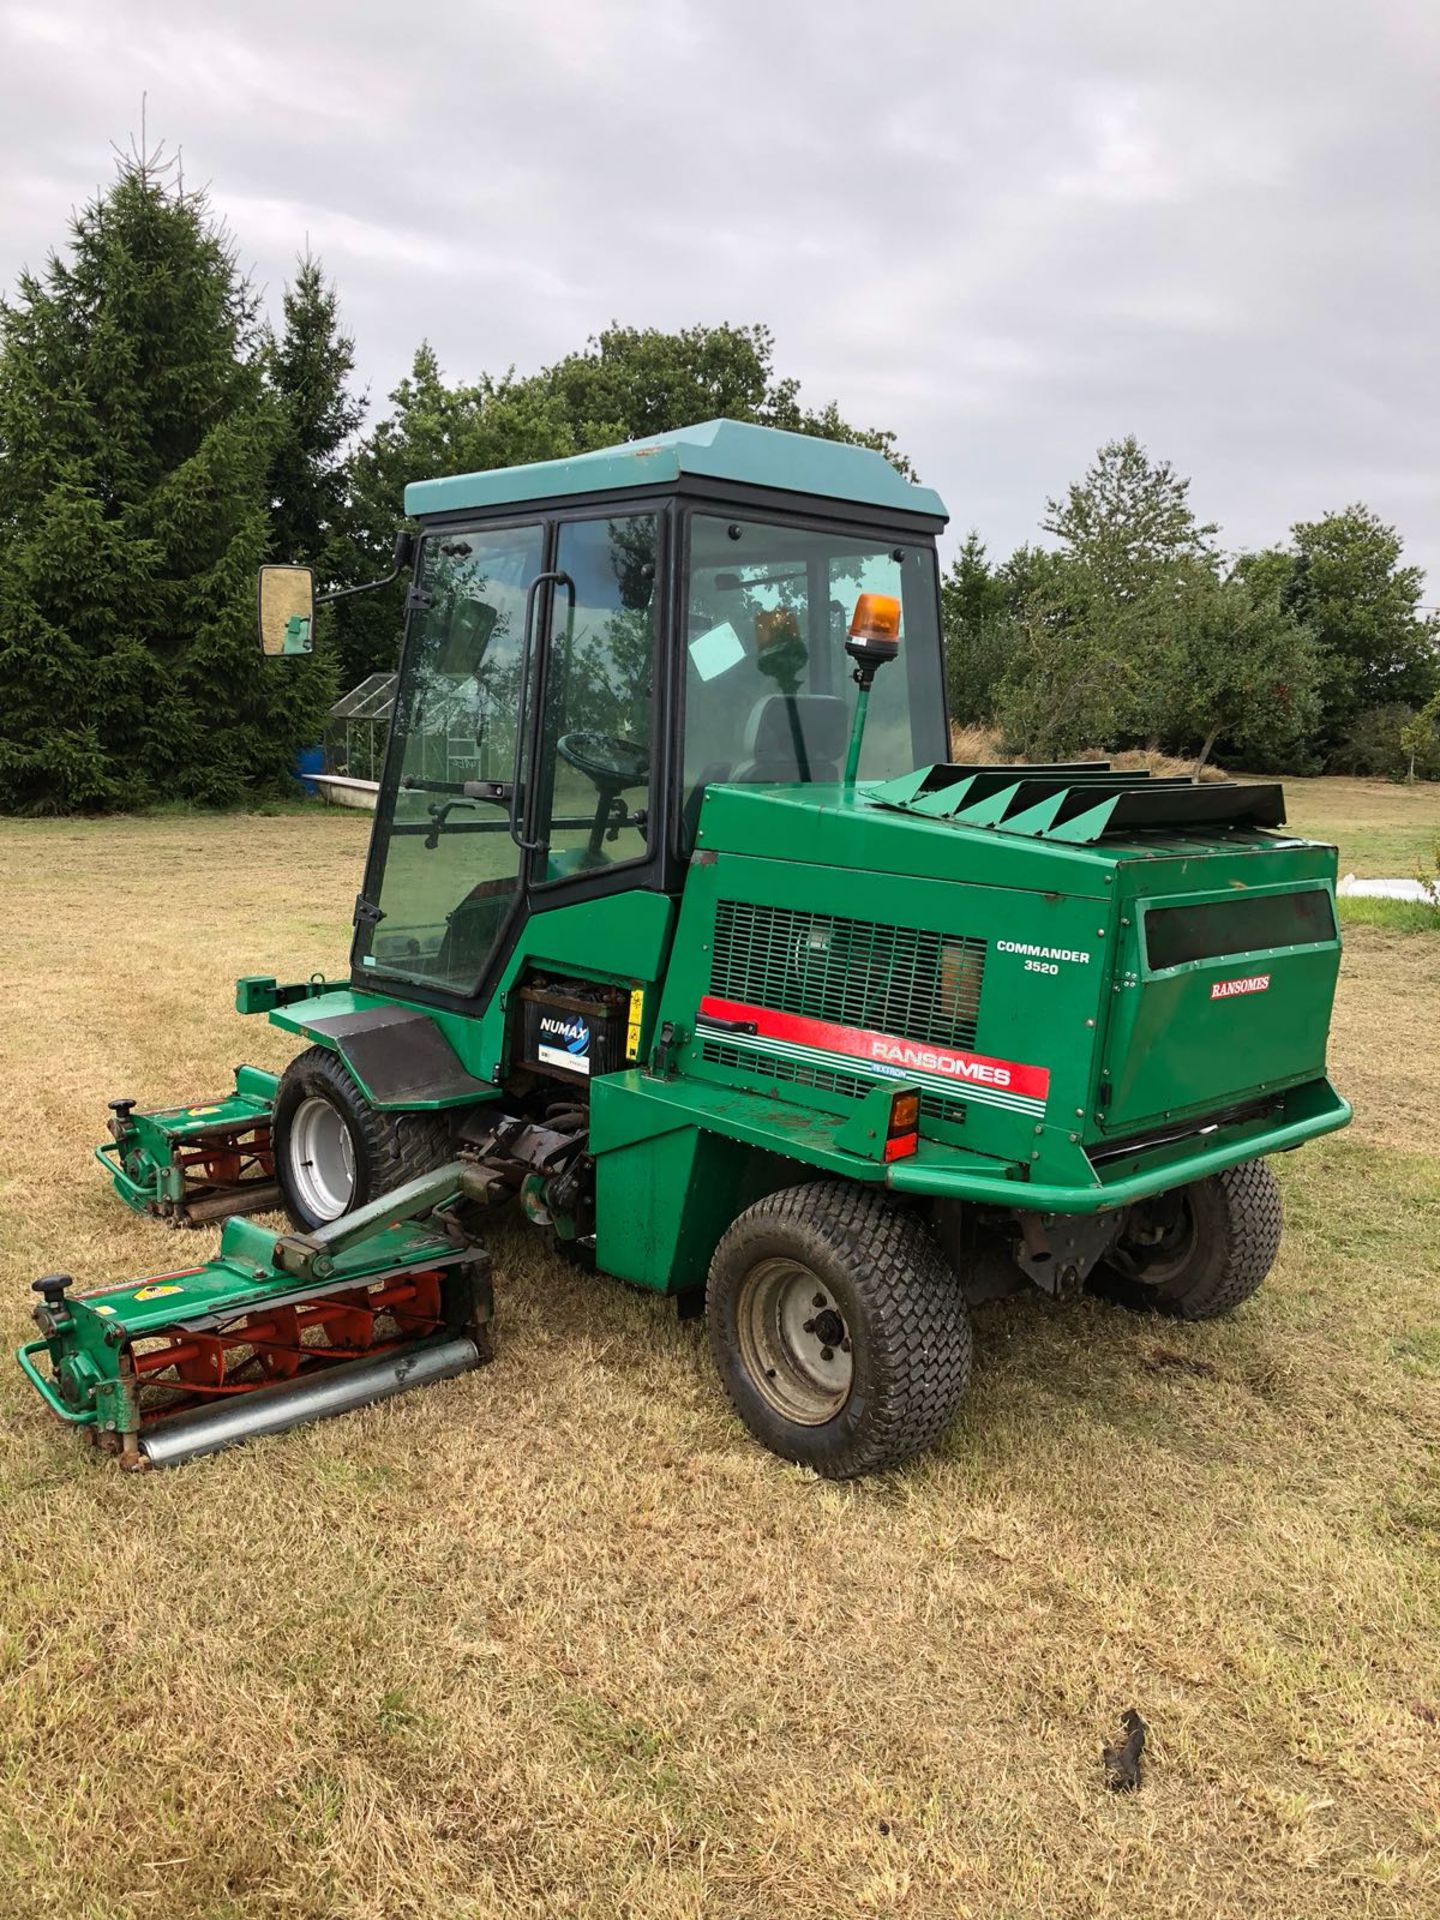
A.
x: 1197, y: 1251
x: 838, y: 1328
x: 333, y: 1151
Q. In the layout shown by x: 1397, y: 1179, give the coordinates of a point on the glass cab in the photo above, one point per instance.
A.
x: 769, y: 694
x: 571, y: 684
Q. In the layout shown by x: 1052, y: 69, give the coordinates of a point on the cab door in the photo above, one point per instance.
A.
x: 529, y: 669
x: 590, y: 807
x: 445, y: 873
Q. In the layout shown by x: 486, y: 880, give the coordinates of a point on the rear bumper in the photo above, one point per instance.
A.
x: 1317, y: 1109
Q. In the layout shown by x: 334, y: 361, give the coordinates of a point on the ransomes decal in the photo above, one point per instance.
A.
x: 1000, y: 1083
x: 1252, y: 983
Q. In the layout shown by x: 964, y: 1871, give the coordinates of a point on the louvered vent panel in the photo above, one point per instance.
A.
x: 794, y: 1072
x: 856, y: 973
x: 798, y: 1073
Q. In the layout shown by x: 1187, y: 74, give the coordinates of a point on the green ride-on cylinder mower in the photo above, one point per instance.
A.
x: 679, y: 927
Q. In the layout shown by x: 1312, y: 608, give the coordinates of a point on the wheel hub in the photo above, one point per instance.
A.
x: 827, y: 1327
x: 1159, y: 1241
x: 795, y: 1342
x: 322, y: 1158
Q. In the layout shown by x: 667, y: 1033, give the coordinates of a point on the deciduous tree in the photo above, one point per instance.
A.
x: 1350, y: 586
x: 1236, y: 666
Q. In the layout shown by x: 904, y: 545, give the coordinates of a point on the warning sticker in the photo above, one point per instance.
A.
x: 632, y: 1028
x: 156, y: 1293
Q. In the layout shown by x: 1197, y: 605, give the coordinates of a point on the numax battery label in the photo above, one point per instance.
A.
x: 564, y: 1042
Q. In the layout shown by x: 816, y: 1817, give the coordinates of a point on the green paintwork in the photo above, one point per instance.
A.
x: 667, y: 1176
x: 1169, y: 1048
x: 297, y: 634
x: 1127, y: 1049
x: 1155, y: 1044
x: 714, y: 450
x: 1080, y: 806
x: 260, y: 992
x: 663, y: 1201
x: 857, y: 735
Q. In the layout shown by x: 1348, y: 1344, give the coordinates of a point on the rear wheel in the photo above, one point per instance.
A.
x: 333, y: 1151
x: 838, y: 1328
x: 1198, y: 1251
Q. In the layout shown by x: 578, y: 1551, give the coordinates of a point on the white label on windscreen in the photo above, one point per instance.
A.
x: 716, y: 651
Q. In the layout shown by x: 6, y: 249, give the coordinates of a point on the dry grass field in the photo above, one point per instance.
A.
x: 558, y: 1639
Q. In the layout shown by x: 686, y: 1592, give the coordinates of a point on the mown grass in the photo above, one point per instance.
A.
x: 1397, y: 916
x: 557, y: 1638
x: 1382, y: 829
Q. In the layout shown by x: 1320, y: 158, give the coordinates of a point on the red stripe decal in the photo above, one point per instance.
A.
x: 885, y: 1049
x: 124, y: 1286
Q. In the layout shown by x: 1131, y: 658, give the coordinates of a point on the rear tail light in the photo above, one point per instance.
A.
x: 902, y: 1137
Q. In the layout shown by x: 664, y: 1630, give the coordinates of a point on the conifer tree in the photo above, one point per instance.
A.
x: 310, y: 366
x: 136, y: 438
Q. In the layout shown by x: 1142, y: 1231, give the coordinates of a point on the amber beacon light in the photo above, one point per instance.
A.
x: 873, y: 638
x: 875, y: 626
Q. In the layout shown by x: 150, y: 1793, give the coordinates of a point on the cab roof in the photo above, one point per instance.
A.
x: 722, y: 450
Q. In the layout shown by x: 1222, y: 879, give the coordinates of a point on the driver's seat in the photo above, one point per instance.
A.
x: 782, y: 726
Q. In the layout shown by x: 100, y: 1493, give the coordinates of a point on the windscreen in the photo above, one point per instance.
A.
x: 768, y: 690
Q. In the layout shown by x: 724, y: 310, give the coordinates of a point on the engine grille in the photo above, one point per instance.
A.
x: 906, y: 981
x: 795, y: 1072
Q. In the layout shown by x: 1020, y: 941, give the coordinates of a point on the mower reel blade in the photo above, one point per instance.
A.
x: 164, y: 1369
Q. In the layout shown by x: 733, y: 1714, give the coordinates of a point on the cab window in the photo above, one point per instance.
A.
x: 593, y: 787
x: 768, y: 691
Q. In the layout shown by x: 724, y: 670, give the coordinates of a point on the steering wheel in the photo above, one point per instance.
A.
x: 614, y: 764
x: 611, y: 761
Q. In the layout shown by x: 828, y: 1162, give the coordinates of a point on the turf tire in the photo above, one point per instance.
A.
x: 902, y: 1306
x: 388, y: 1148
x: 1236, y: 1222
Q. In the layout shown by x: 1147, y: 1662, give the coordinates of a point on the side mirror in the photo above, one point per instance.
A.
x: 287, y: 610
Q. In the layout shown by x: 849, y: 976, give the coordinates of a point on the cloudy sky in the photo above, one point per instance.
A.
x: 1007, y: 232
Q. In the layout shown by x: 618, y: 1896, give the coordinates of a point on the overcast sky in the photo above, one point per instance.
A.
x: 1007, y: 232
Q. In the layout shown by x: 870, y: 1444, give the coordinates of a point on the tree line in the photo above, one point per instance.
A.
x: 160, y: 437
x: 1135, y: 628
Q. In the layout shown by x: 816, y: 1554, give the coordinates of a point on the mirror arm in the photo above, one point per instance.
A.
x: 345, y: 593
x: 404, y: 556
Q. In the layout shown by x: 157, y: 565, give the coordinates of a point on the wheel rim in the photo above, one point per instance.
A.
x: 1163, y: 1255
x: 795, y: 1342
x: 322, y: 1158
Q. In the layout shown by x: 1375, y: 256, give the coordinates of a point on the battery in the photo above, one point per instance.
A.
x: 573, y: 1029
